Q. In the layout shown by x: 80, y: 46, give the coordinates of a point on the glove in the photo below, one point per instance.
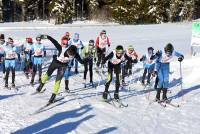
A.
x: 158, y: 54
x: 141, y: 59
x: 135, y: 61
x: 154, y: 73
x: 180, y: 58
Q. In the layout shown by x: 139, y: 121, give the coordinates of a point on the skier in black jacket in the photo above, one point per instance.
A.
x: 65, y: 55
x: 115, y: 59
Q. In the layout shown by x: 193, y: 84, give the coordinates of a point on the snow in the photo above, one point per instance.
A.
x: 83, y: 112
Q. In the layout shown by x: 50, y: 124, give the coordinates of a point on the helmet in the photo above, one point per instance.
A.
x: 169, y: 48
x: 130, y: 48
x: 91, y: 42
x: 71, y: 51
x: 119, y: 49
x: 2, y: 37
x: 103, y: 32
x: 29, y: 40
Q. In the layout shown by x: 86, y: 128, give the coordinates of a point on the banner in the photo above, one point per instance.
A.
x: 195, y: 41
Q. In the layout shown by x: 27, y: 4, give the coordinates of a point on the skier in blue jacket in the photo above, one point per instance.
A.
x: 148, y: 65
x: 10, y: 56
x: 27, y: 53
x: 162, y: 68
x: 79, y: 45
x: 2, y: 44
x: 38, y: 51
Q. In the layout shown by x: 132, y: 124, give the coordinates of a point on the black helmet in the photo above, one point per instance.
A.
x: 91, y: 42
x: 103, y: 32
x: 71, y: 51
x: 150, y: 48
x: 119, y: 48
x: 169, y: 48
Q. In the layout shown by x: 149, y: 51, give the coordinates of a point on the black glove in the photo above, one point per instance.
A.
x: 158, y: 54
x: 180, y: 58
x: 141, y: 59
x: 135, y: 61
x: 154, y: 73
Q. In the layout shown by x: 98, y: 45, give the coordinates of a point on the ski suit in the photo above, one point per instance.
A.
x: 101, y: 42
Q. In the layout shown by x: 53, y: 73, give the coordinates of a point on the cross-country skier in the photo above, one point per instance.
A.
x: 162, y: 67
x: 149, y: 65
x: 102, y: 42
x: 115, y: 58
x: 10, y: 56
x: 38, y: 51
x: 127, y: 65
x: 27, y: 53
x: 65, y: 55
x: 78, y: 43
x: 2, y: 44
x: 89, y: 55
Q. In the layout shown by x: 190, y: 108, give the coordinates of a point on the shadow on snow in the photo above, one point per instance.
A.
x: 44, y: 126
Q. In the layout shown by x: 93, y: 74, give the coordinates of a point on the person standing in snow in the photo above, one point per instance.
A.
x: 127, y: 65
x: 149, y: 65
x: 2, y: 45
x: 162, y: 68
x: 38, y: 51
x: 102, y: 42
x: 10, y: 56
x: 115, y: 59
x: 65, y: 55
x: 89, y: 55
x: 79, y: 45
x: 27, y: 54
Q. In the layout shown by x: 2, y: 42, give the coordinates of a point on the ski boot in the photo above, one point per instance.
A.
x: 32, y: 83
x: 158, y: 95
x: 52, y: 99
x: 66, y: 86
x: 164, y: 97
x: 91, y: 83
x: 116, y: 96
x: 39, y: 88
x: 13, y: 85
x: 6, y: 85
x: 105, y: 95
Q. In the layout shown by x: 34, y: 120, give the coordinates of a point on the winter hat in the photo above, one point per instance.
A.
x: 169, y: 48
x: 130, y: 48
x: 91, y: 42
x: 2, y: 37
x: 119, y: 49
x: 71, y: 51
x: 150, y: 49
x: 29, y: 40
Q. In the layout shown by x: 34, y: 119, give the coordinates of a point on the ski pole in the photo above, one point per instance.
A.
x: 181, y: 82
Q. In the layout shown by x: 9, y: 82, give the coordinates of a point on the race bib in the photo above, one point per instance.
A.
x: 166, y: 59
x: 38, y: 52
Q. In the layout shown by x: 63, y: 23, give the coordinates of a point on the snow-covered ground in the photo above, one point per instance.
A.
x: 83, y: 112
